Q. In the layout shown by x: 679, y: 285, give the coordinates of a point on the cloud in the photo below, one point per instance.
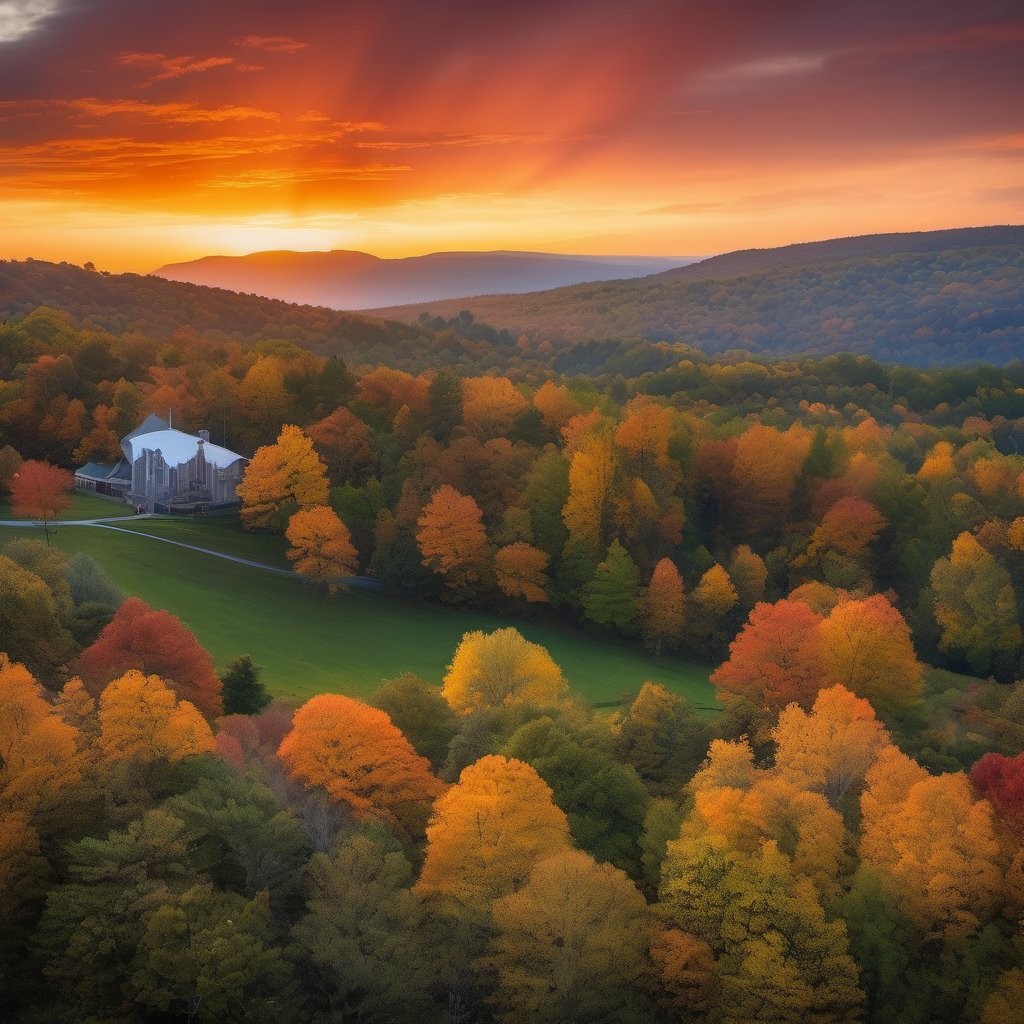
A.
x: 457, y: 140
x: 289, y: 176
x: 272, y: 44
x: 763, y: 70
x: 177, y: 67
x: 18, y: 18
x: 168, y: 113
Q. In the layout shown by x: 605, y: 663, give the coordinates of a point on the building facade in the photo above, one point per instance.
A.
x: 166, y: 470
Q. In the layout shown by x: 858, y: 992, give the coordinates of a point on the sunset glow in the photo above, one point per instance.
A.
x: 137, y: 134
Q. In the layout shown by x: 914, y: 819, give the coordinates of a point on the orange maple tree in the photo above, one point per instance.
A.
x: 321, y: 546
x: 520, y: 571
x: 662, y: 624
x: 452, y: 539
x: 358, y: 756
x: 41, y: 491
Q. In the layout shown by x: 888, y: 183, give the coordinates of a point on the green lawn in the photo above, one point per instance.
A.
x: 309, y: 644
x: 83, y: 506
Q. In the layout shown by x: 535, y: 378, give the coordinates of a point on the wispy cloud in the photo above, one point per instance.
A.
x: 763, y: 70
x: 168, y: 68
x: 272, y: 44
x: 18, y: 18
x: 168, y: 113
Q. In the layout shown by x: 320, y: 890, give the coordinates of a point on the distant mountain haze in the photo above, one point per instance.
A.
x: 342, y: 279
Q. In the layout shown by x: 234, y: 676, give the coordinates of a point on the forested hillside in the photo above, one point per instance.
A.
x: 927, y: 307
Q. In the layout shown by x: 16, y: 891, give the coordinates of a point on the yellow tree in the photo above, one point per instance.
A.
x: 321, y: 546
x: 39, y: 752
x: 571, y: 944
x: 141, y: 721
x: 587, y: 508
x: 487, y: 834
x: 975, y: 605
x: 499, y: 668
x: 453, y: 543
x: 520, y: 569
x: 831, y: 749
x: 555, y: 405
x: 280, y: 479
x: 357, y: 754
x: 490, y: 406
x: 662, y: 604
x: 866, y: 647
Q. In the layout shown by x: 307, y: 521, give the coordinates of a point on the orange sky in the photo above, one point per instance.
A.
x: 135, y: 133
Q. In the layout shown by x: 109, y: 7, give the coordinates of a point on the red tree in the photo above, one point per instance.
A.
x: 41, y: 491
x: 156, y: 643
x: 1001, y: 781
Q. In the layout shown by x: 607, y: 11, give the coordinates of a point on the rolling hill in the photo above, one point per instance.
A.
x: 356, y: 280
x: 927, y: 298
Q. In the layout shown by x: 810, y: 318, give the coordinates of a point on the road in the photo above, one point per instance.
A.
x: 358, y: 582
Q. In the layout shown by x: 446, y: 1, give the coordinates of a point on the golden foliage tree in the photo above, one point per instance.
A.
x: 866, y: 647
x: 521, y: 571
x: 934, y: 845
x: 831, y: 749
x: 571, y: 944
x: 321, y: 546
x: 356, y: 754
x: 499, y: 668
x: 487, y: 834
x: 280, y: 479
x: 490, y: 406
x: 141, y: 721
x: 588, y: 507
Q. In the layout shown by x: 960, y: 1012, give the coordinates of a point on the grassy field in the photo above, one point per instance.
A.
x: 308, y: 644
x: 83, y: 506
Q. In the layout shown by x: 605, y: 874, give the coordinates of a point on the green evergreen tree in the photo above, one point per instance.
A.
x: 612, y: 597
x: 244, y: 693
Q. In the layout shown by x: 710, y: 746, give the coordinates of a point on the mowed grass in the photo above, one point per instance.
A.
x: 309, y: 644
x: 83, y: 506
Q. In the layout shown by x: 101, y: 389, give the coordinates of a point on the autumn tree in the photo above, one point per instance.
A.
x: 588, y: 508
x: 1000, y: 780
x: 775, y: 658
x: 355, y: 753
x: 345, y: 443
x: 156, y: 643
x: 490, y: 406
x: 662, y: 737
x: 848, y: 527
x: 748, y: 573
x: 764, y: 474
x: 933, y: 843
x: 778, y: 956
x: 31, y: 620
x: 142, y: 721
x: 866, y: 647
x: 662, y: 607
x: 321, y: 546
x: 976, y: 607
x: 831, y: 749
x: 711, y: 602
x: 10, y: 463
x: 612, y: 597
x: 555, y: 404
x: 389, y: 390
x: 500, y: 668
x: 571, y: 944
x: 451, y: 537
x: 41, y: 491
x: 521, y: 571
x: 280, y: 479
x: 487, y: 834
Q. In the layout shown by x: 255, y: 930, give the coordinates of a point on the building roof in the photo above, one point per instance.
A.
x: 96, y: 470
x: 176, y: 446
x: 147, y: 426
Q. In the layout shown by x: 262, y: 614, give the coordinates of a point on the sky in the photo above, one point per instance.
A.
x: 139, y: 132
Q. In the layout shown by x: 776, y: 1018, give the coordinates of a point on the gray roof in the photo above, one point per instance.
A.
x: 96, y: 470
x: 177, y: 447
x: 147, y: 426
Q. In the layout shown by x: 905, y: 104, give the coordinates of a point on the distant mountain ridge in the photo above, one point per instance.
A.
x: 346, y: 279
x: 927, y: 298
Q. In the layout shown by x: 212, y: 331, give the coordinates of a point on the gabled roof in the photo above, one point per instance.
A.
x: 147, y: 426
